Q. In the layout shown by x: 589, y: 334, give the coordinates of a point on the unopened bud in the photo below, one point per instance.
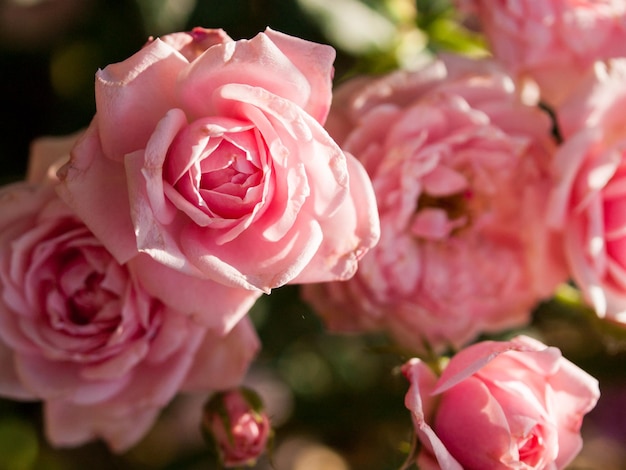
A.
x: 236, y: 423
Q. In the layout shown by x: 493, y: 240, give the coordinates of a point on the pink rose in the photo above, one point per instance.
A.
x: 556, y: 41
x: 460, y: 167
x: 514, y: 404
x: 209, y: 155
x: 187, y: 294
x: 83, y: 334
x: 588, y: 205
x: 238, y: 426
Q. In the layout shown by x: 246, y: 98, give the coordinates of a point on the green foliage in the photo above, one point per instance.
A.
x: 445, y: 31
x: 19, y: 446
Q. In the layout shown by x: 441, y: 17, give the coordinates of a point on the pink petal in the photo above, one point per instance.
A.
x: 470, y: 360
x: 92, y: 186
x: 536, y: 356
x: 210, y: 303
x: 62, y: 380
x: 474, y: 428
x: 157, y: 379
x: 69, y: 425
x: 145, y: 171
x: 575, y: 393
x: 314, y: 62
x: 260, y: 62
x: 47, y: 154
x: 285, y: 127
x: 10, y: 384
x: 153, y: 237
x: 433, y: 224
x: 582, y: 269
x: 17, y: 200
x: 221, y: 362
x: 568, y: 161
x: 119, y: 365
x: 422, y: 380
x: 133, y: 95
x: 193, y: 43
x: 348, y: 234
x: 444, y: 181
x: 250, y: 261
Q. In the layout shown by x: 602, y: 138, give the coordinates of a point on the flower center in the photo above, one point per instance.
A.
x: 443, y: 216
x: 530, y: 449
x: 217, y: 174
x: 454, y: 205
x: 82, y: 297
x: 85, y: 304
x: 233, y: 173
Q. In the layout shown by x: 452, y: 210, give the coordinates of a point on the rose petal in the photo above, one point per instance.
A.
x: 469, y: 361
x: 422, y: 380
x: 348, y: 234
x: 315, y: 63
x: 477, y: 432
x: 193, y: 43
x: 11, y: 385
x: 269, y: 265
x: 125, y: 97
x: 52, y: 380
x: 210, y: 303
x: 221, y: 362
x: 300, y: 73
x: 68, y: 425
x: 47, y: 155
x: 93, y: 185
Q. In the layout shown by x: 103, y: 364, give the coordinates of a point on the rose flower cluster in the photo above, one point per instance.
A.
x: 435, y: 205
x: 497, y: 179
x: 134, y: 249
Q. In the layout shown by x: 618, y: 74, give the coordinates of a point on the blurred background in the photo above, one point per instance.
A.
x: 337, y: 402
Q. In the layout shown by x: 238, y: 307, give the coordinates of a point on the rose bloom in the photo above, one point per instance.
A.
x: 187, y: 294
x: 460, y: 167
x: 239, y: 428
x: 209, y: 155
x: 81, y: 333
x: 556, y: 41
x: 588, y: 205
x: 515, y: 404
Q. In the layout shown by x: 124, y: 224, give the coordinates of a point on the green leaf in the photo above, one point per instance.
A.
x: 19, y: 446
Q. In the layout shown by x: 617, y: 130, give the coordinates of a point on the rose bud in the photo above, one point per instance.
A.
x: 236, y: 424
